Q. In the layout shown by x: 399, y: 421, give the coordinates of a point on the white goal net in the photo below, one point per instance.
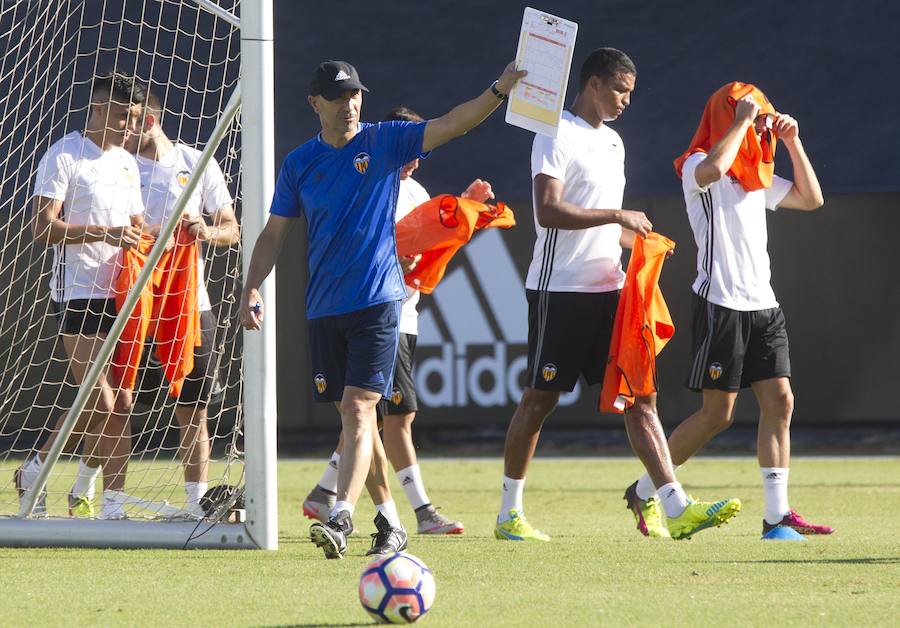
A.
x: 189, y: 56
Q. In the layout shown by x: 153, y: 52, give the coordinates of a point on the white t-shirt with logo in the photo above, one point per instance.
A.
x: 591, y: 164
x: 161, y: 184
x: 412, y: 194
x: 96, y: 187
x: 729, y: 226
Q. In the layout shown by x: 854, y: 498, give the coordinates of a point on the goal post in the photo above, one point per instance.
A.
x: 243, y: 138
x: 260, y: 395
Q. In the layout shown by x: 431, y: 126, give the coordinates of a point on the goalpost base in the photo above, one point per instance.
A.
x: 123, y: 534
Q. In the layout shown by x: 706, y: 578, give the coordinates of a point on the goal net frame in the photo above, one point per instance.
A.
x: 253, y: 98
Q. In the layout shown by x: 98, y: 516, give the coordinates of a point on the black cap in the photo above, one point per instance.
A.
x: 332, y: 78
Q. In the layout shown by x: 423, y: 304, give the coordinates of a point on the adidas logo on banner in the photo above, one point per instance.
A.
x: 341, y: 76
x: 478, y: 319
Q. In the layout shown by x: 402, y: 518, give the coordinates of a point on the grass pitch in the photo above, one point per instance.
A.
x: 597, y: 570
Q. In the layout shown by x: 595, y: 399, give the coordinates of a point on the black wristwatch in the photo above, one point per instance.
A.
x: 496, y: 92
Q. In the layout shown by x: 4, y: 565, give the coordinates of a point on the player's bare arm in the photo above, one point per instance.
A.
x: 722, y: 155
x: 49, y: 229
x: 265, y: 252
x: 465, y: 117
x: 224, y: 230
x: 806, y: 193
x: 555, y: 213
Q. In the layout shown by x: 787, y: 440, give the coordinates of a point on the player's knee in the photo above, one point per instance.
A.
x: 124, y: 400
x: 717, y: 418
x: 399, y: 424
x: 539, y: 403
x: 105, y: 401
x: 781, y: 406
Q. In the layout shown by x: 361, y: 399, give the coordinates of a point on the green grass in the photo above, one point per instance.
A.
x: 596, y: 571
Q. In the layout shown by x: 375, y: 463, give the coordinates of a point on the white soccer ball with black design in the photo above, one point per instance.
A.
x: 396, y: 589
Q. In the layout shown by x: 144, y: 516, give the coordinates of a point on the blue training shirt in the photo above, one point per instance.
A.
x: 348, y: 196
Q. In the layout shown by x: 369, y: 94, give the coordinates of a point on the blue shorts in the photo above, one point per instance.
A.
x: 354, y: 349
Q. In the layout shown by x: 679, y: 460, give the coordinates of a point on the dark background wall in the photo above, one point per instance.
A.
x: 830, y: 64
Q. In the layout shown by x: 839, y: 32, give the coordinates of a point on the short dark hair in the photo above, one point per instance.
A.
x: 121, y: 88
x: 153, y: 103
x: 403, y: 114
x: 605, y: 63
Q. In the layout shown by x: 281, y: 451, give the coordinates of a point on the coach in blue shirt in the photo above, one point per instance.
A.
x: 345, y: 183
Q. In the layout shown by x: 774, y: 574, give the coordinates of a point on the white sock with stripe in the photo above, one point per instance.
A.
x: 410, y: 479
x: 775, y: 489
x: 328, y: 481
x: 389, y: 510
x: 673, y: 498
x: 513, y: 491
x: 645, y: 489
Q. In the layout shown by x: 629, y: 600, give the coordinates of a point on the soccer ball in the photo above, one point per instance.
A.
x: 396, y: 589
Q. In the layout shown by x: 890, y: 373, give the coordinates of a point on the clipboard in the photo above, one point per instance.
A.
x: 546, y: 47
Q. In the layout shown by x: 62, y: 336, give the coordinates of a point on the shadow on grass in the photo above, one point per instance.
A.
x: 314, y: 625
x: 874, y: 560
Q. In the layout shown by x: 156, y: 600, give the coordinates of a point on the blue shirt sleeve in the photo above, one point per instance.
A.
x: 402, y: 140
x: 286, y: 200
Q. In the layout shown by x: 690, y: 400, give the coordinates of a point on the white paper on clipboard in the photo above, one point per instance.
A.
x: 546, y: 45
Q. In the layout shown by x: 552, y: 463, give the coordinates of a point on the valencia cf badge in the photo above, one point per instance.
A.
x: 549, y: 372
x: 396, y: 396
x: 182, y: 177
x: 715, y: 371
x: 361, y: 163
x: 321, y: 383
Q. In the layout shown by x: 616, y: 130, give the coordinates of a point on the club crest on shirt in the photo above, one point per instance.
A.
x: 321, y: 383
x: 549, y: 372
x: 182, y: 177
x: 127, y: 176
x: 715, y: 371
x: 396, y: 396
x: 361, y: 163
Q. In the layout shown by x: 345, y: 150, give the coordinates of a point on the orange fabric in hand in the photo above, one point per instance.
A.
x: 167, y: 311
x: 643, y: 327
x: 754, y: 165
x: 437, y: 228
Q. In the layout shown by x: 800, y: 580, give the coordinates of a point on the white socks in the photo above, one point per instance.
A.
x: 775, y: 488
x: 673, y: 498
x: 194, y: 491
x: 389, y: 510
x: 410, y: 479
x: 86, y: 480
x: 645, y: 489
x: 513, y: 491
x: 328, y: 480
x: 30, y: 471
x: 339, y: 506
x: 113, y: 508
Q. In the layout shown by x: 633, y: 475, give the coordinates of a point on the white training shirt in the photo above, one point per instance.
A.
x: 412, y: 194
x: 96, y: 187
x: 729, y: 226
x: 161, y: 184
x: 591, y: 164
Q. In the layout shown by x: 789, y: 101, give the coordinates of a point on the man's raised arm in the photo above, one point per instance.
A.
x: 465, y: 117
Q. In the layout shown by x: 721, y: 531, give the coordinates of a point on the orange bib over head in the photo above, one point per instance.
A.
x: 754, y: 165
